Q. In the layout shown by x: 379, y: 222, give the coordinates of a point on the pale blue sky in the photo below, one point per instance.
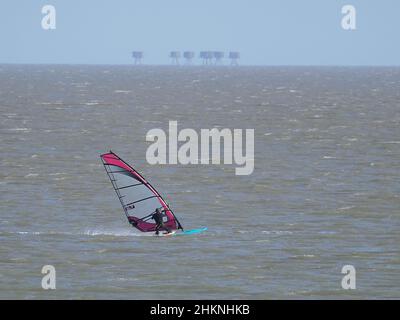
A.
x: 266, y: 32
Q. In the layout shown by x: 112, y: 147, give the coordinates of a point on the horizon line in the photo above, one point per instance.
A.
x: 195, y: 65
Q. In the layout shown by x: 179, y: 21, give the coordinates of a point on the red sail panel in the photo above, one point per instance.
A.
x: 138, y: 197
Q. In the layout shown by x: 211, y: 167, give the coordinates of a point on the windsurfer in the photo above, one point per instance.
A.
x: 158, y: 218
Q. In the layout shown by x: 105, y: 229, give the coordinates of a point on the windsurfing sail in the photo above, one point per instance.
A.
x: 138, y: 197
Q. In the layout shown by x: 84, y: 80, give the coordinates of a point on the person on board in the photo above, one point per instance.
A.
x: 158, y: 218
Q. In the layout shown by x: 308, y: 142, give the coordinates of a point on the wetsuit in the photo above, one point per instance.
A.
x: 158, y: 218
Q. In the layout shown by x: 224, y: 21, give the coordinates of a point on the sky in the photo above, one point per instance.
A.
x: 265, y: 32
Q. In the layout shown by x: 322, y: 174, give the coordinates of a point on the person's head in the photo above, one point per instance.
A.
x: 158, y: 211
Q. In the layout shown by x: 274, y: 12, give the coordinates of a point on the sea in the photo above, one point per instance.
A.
x: 324, y: 194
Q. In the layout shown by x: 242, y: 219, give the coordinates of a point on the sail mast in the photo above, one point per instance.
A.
x: 112, y: 179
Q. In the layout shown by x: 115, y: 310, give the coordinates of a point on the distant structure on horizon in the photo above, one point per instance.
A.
x: 207, y: 57
x: 175, y: 55
x: 218, y: 55
x: 138, y: 56
x: 188, y: 55
x: 234, y: 56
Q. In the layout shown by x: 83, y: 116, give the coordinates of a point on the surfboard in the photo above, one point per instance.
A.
x: 192, y: 231
x: 164, y: 234
x: 182, y: 233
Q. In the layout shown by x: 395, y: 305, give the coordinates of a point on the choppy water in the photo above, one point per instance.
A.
x: 324, y: 193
